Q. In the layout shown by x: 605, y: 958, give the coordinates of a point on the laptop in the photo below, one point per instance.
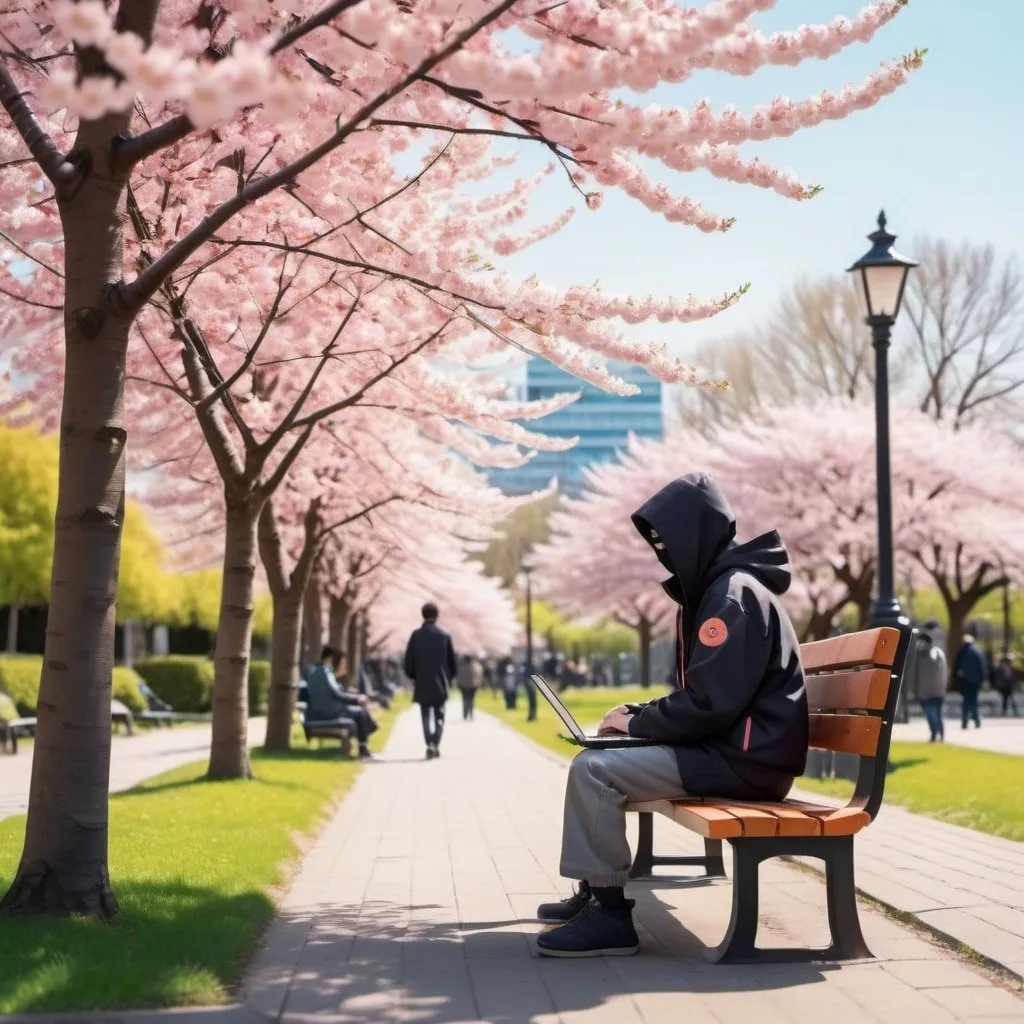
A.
x: 596, y: 742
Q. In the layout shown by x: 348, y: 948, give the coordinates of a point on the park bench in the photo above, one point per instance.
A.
x: 342, y: 729
x: 853, y: 685
x: 12, y: 725
x: 120, y: 714
x: 158, y: 712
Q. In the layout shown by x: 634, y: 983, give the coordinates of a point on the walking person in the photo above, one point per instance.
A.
x: 970, y: 670
x: 1005, y: 681
x: 430, y: 664
x: 468, y: 678
x: 932, y: 677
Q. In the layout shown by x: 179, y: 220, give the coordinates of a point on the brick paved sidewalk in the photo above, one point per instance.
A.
x: 416, y: 904
x: 132, y: 759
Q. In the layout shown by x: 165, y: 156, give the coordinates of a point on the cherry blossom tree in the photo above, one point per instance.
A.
x: 360, y: 473
x: 209, y: 120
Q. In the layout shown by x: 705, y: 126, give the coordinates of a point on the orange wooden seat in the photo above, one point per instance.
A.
x: 852, y: 687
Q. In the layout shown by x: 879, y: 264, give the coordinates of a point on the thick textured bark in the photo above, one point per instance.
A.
x: 957, y: 613
x: 229, y: 747
x: 313, y: 619
x: 12, y: 629
x: 64, y: 864
x: 643, y: 631
x: 354, y: 650
x: 337, y: 622
x: 284, y: 667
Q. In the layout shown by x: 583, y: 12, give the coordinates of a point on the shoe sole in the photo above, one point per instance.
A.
x: 579, y: 954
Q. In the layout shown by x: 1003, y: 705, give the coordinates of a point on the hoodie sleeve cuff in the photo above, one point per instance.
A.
x: 633, y: 719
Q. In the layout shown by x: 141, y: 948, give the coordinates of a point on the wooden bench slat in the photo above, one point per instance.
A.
x: 791, y: 821
x: 755, y: 821
x: 870, y: 647
x: 709, y: 822
x: 846, y: 734
x: 864, y: 690
x: 835, y: 821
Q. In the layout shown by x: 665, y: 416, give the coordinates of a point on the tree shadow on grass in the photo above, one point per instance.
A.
x: 173, y: 944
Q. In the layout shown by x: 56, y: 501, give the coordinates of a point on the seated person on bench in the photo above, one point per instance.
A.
x: 328, y: 701
x: 736, y: 726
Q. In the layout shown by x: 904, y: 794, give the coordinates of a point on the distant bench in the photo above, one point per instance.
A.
x: 342, y: 729
x: 853, y: 684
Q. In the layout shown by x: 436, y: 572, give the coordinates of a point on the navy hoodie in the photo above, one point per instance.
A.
x: 739, y: 724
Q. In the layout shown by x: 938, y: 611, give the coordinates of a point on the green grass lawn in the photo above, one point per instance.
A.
x: 972, y: 788
x: 193, y: 865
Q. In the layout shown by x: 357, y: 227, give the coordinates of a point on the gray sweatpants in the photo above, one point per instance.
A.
x: 601, y: 783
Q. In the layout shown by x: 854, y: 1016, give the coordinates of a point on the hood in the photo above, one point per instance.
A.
x: 692, y: 517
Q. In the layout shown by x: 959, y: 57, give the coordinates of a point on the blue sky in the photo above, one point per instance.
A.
x: 943, y: 156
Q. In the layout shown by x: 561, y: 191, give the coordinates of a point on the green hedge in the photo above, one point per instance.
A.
x: 259, y: 687
x: 183, y: 681
x: 19, y: 679
x: 126, y: 689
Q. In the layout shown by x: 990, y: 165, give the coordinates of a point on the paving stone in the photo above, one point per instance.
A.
x: 422, y: 910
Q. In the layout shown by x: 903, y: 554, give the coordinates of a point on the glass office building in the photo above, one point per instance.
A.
x: 601, y: 421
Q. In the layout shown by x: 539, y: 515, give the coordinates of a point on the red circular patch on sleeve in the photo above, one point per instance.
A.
x: 713, y: 633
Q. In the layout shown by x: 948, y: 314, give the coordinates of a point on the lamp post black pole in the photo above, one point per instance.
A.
x: 529, y: 623
x: 531, y: 691
x: 885, y: 608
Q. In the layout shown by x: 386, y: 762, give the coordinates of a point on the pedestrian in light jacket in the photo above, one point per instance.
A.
x: 931, y: 676
x: 430, y: 664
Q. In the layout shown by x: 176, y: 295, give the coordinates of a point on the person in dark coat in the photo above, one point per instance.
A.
x: 735, y: 726
x: 327, y: 701
x: 1005, y: 679
x: 970, y: 670
x: 430, y: 663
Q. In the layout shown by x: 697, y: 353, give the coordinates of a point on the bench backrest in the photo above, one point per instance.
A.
x: 853, y: 684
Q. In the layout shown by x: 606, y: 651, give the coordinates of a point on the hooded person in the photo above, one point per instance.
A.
x: 736, y: 725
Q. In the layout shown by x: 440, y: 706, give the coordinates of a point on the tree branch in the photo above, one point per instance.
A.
x: 146, y: 284
x: 44, y: 150
x: 133, y: 149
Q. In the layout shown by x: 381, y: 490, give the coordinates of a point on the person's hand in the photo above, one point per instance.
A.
x: 616, y: 721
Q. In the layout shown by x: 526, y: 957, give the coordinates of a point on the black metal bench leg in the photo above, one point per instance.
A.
x: 643, y: 860
x: 738, y: 946
x: 713, y: 854
x: 841, y: 895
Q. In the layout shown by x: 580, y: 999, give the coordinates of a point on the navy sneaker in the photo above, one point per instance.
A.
x: 596, y: 931
x: 567, y: 909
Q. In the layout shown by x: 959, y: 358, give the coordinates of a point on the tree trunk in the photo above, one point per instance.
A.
x: 229, y: 747
x: 12, y: 629
x: 643, y: 630
x: 957, y: 612
x: 354, y: 650
x: 63, y: 866
x: 337, y: 622
x: 313, y: 619
x: 284, y: 665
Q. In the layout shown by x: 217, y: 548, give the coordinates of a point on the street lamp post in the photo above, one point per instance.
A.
x: 531, y: 692
x: 881, y: 277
